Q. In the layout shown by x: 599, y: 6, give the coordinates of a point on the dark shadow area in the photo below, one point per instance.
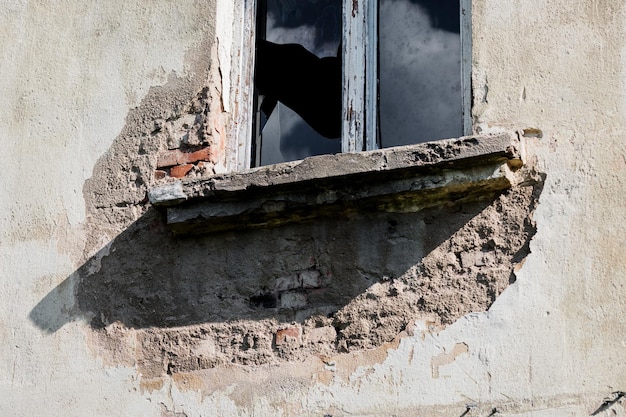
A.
x: 148, y: 278
x: 346, y: 283
x: 307, y: 84
x: 443, y: 14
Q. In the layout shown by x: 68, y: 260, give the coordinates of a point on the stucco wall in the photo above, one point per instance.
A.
x: 98, y: 314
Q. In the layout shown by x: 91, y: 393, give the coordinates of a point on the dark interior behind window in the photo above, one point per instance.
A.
x: 316, y: 25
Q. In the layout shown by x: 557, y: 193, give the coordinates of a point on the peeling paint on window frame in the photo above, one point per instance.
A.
x: 360, y: 44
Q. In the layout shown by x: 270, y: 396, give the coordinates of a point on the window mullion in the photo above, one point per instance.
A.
x: 371, y: 74
x: 240, y: 148
x: 466, y: 65
x: 354, y: 75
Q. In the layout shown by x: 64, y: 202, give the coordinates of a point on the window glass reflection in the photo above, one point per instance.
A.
x: 316, y: 25
x: 419, y: 71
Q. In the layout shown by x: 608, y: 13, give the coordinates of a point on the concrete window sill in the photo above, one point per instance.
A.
x: 406, y: 178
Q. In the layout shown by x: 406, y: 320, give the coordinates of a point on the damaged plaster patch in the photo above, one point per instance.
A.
x: 317, y: 290
x: 178, y: 115
x: 447, y: 358
x: 339, y: 286
x: 463, y: 274
x: 224, y: 33
x: 165, y: 412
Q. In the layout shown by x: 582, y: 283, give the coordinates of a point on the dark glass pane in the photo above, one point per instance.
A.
x: 316, y: 25
x: 419, y: 71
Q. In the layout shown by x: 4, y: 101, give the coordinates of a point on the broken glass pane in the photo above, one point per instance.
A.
x: 315, y: 25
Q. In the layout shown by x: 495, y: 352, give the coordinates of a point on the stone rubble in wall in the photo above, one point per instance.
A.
x: 187, y: 141
x: 463, y: 274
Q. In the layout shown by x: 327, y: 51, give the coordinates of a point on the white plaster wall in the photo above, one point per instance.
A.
x: 71, y: 71
x: 554, y: 344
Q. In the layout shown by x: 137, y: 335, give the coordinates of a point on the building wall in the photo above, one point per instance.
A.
x: 512, y: 303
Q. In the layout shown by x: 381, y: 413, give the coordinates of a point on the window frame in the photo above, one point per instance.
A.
x: 360, y: 94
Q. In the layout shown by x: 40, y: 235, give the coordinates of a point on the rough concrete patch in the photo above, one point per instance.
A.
x: 440, y: 283
x: 346, y: 284
x: 179, y: 325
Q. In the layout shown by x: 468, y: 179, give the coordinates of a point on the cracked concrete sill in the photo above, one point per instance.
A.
x: 406, y: 178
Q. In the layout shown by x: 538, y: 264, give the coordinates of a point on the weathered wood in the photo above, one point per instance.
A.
x: 239, y: 148
x: 466, y: 65
x: 371, y: 74
x: 354, y: 62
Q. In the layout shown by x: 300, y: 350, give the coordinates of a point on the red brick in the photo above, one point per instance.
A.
x: 180, y: 171
x: 159, y: 174
x: 178, y: 157
x: 203, y: 154
x: 288, y: 335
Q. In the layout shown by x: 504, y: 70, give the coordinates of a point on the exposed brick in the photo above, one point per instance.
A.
x: 311, y: 279
x: 159, y: 174
x: 468, y: 259
x: 180, y: 171
x: 203, y: 154
x: 204, y: 168
x: 486, y: 258
x: 288, y: 335
x: 168, y: 158
x: 287, y: 283
x: 178, y: 157
x: 321, y: 334
x: 292, y: 300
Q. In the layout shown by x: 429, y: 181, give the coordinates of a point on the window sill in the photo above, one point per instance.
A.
x: 400, y: 179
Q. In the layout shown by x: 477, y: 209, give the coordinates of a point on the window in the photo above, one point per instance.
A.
x: 378, y: 110
x: 298, y: 62
x: 405, y: 74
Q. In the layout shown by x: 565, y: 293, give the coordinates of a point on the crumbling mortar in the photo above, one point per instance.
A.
x: 371, y: 318
x: 438, y: 285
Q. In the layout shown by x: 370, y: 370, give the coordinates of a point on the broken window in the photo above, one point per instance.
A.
x: 297, y: 80
x: 347, y: 76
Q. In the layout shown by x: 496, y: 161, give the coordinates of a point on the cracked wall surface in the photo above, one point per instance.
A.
x: 510, y: 304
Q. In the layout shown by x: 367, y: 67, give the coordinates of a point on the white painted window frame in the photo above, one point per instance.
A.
x: 360, y: 90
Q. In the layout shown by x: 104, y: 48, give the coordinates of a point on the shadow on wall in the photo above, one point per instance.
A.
x: 168, y: 304
x: 323, y: 287
x: 148, y: 278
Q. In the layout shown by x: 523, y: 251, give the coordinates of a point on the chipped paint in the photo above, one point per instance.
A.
x: 445, y: 358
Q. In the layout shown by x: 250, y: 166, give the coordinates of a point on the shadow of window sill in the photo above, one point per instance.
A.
x: 401, y: 179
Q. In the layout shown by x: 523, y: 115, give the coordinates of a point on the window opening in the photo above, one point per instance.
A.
x: 298, y: 80
x: 419, y: 45
x: 404, y: 75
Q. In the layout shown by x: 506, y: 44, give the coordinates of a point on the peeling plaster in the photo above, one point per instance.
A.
x: 447, y: 358
x: 515, y: 303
